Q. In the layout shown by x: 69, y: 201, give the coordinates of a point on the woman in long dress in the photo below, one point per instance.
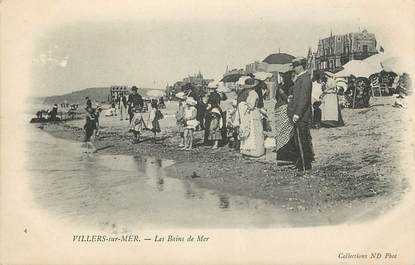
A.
x: 330, y: 110
x: 251, y: 131
x: 284, y: 129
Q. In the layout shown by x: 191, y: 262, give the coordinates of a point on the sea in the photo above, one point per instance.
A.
x: 102, y: 191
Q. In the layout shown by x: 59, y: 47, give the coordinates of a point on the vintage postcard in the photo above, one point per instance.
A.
x: 207, y: 132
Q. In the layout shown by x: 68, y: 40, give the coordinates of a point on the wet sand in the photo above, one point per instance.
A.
x: 356, y: 176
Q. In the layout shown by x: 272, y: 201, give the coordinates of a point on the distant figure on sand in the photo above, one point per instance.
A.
x: 123, y: 107
x: 88, y: 102
x: 154, y: 117
x: 53, y: 113
x: 90, y: 127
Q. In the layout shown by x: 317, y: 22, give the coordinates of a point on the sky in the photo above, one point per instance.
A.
x: 161, y: 46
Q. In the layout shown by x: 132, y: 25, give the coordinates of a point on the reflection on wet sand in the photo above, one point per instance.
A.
x: 118, y: 192
x: 223, y: 201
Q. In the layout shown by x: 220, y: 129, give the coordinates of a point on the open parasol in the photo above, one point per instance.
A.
x: 231, y: 78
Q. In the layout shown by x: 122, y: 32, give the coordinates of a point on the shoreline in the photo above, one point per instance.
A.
x: 354, y: 184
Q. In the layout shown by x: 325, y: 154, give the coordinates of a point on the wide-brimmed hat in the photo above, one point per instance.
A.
x: 190, y: 101
x: 250, y: 82
x: 180, y: 95
x: 299, y: 61
x: 331, y: 83
x: 262, y: 75
x: 213, y: 85
x: 134, y: 88
x: 242, y: 79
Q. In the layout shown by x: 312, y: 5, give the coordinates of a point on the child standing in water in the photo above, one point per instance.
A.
x: 190, y: 114
x: 180, y: 118
x: 155, y: 116
x: 136, y: 125
x: 89, y: 127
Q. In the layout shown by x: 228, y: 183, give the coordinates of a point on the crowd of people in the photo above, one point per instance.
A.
x: 131, y: 109
x: 242, y: 126
x: 302, y: 102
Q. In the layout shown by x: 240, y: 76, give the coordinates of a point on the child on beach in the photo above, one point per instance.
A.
x: 190, y: 114
x: 216, y: 124
x: 137, y: 125
x: 90, y: 127
x: 98, y: 113
x: 180, y: 118
x: 154, y: 117
x: 233, y: 126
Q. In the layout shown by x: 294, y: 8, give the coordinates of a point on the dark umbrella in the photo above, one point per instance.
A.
x: 279, y: 58
x: 231, y: 78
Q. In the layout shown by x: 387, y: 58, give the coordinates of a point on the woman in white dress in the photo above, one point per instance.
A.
x: 330, y: 110
x: 251, y: 130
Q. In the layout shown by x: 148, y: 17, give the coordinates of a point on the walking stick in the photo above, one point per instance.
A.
x: 354, y: 96
x: 276, y: 135
x: 301, y: 146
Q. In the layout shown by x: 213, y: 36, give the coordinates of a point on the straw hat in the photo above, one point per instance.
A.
x: 331, y: 83
x: 190, y: 101
x: 299, y: 61
x: 250, y: 82
x: 242, y: 79
x: 213, y: 85
x: 262, y: 75
x: 180, y: 95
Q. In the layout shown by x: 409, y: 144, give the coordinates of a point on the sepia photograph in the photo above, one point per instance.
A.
x: 135, y: 132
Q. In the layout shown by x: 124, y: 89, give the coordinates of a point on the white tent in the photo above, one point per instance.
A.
x: 359, y: 69
x: 393, y: 64
x: 156, y: 93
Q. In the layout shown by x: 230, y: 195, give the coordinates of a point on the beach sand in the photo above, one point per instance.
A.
x: 357, y: 172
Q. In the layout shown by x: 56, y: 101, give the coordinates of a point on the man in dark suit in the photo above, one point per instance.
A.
x: 299, y: 111
x: 135, y: 101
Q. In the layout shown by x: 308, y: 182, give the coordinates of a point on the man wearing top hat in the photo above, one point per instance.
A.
x: 135, y: 101
x: 299, y: 111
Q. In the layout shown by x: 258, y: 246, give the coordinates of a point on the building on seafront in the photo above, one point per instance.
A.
x: 336, y: 50
x: 118, y: 91
x: 197, y: 80
x: 240, y: 71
